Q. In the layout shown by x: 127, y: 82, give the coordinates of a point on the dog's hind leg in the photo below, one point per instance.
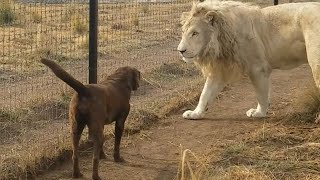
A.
x: 91, y: 139
x: 97, y: 137
x: 77, y: 127
x: 102, y: 154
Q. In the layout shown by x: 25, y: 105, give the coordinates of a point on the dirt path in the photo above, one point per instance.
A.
x: 155, y: 153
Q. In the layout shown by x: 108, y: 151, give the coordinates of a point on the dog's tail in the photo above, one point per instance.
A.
x: 66, y: 77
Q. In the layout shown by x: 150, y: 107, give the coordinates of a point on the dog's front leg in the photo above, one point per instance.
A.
x: 118, y: 134
x: 211, y: 89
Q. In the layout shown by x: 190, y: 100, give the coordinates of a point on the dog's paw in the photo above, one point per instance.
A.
x: 119, y: 160
x: 192, y: 115
x: 76, y: 175
x: 254, y: 113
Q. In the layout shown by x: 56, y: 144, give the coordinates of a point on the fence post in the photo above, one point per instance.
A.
x: 275, y: 2
x: 93, y: 41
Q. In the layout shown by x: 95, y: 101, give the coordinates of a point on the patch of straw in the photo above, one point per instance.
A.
x: 194, y: 172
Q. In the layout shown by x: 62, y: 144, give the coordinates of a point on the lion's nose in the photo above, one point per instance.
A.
x: 182, y: 51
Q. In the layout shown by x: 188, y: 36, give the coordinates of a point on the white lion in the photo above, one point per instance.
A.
x: 227, y: 39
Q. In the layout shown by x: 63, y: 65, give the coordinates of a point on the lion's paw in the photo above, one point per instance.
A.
x: 255, y: 113
x: 192, y: 115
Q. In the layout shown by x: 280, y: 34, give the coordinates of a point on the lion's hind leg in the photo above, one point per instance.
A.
x: 313, y: 54
x: 315, y: 68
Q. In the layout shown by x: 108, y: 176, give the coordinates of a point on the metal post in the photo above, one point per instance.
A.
x: 275, y: 2
x: 93, y: 41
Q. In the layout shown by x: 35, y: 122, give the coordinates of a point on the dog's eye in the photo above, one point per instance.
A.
x: 195, y: 33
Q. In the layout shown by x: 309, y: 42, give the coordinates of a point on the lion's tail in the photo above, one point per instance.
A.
x: 66, y: 77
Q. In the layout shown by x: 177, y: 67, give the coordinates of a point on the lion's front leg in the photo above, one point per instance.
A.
x: 211, y: 89
x: 261, y: 83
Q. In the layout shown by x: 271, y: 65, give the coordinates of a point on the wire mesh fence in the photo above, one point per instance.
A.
x: 33, y: 106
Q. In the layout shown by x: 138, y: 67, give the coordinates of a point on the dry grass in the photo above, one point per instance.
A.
x: 22, y: 167
x: 57, y: 144
x: 36, y: 17
x: 7, y: 14
x: 238, y: 173
x: 271, y: 153
x: 276, y: 152
x: 8, y: 115
x: 79, y: 24
x: 84, y: 43
x: 119, y: 26
x: 145, y: 8
x: 135, y: 20
x: 283, y: 150
x: 307, y: 106
x: 64, y: 24
x: 70, y: 11
x: 192, y: 166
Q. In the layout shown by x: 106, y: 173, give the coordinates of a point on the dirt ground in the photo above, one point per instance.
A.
x: 156, y: 153
x: 230, y: 145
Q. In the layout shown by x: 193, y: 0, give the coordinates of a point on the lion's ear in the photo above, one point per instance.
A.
x: 184, y: 17
x: 212, y: 16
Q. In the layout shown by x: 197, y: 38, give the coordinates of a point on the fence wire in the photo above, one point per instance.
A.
x: 33, y: 102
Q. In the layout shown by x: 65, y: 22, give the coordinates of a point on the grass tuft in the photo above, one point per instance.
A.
x: 192, y: 166
x: 307, y: 105
x: 79, y: 24
x: 7, y: 14
x: 36, y: 17
x: 135, y: 20
x: 119, y: 26
x: 8, y: 115
x: 145, y: 8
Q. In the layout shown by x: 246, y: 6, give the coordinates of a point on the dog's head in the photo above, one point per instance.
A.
x: 134, y: 79
x: 129, y: 75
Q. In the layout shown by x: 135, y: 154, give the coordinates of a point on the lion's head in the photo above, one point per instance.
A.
x: 195, y: 37
x: 206, y: 32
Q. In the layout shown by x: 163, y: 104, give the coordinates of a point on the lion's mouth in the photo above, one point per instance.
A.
x: 188, y: 57
x: 188, y: 60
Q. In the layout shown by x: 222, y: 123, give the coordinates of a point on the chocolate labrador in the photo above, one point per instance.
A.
x: 95, y: 105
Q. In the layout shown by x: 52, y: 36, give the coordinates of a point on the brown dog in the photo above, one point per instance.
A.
x: 95, y: 105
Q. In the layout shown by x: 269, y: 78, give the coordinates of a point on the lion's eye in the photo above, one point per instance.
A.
x: 195, y: 33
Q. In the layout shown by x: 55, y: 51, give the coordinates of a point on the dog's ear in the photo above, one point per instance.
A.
x: 134, y: 80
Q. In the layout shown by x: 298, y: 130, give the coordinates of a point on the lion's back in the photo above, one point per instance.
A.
x: 288, y: 26
x: 293, y: 13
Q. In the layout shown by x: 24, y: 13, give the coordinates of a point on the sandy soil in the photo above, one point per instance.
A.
x: 155, y: 153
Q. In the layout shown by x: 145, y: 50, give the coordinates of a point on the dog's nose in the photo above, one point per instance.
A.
x: 182, y: 51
